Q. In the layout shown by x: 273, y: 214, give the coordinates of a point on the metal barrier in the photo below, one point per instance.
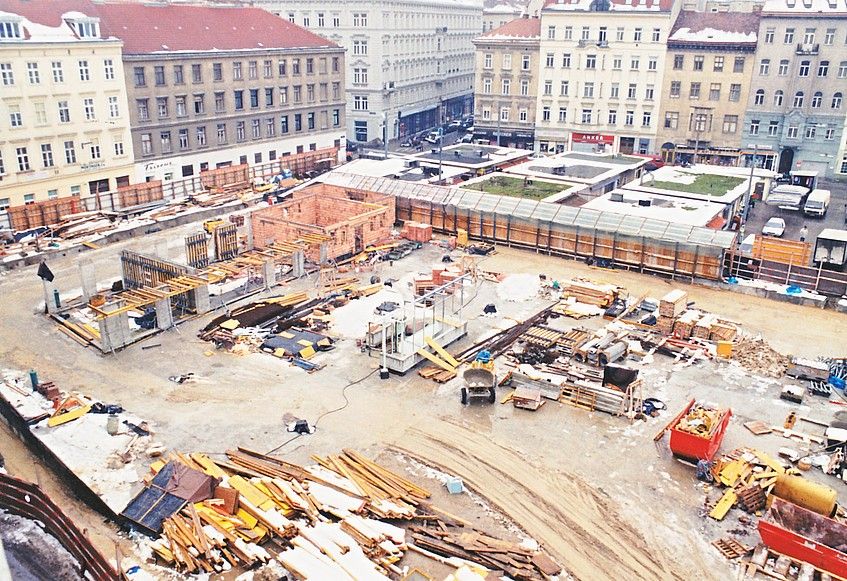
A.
x: 29, y: 501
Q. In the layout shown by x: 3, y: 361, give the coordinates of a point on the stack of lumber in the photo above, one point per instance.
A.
x: 673, y: 303
x: 591, y: 293
x: 595, y: 397
x: 463, y: 542
x: 723, y: 331
x: 417, y: 232
x: 703, y: 328
x: 684, y: 325
x: 436, y: 374
x: 541, y: 336
x: 665, y: 324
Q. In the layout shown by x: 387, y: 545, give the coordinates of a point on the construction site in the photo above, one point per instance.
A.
x: 357, y: 377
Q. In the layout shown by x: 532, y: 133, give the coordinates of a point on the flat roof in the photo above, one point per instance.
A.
x: 676, y: 210
x: 472, y: 156
x: 398, y: 166
x: 699, y: 182
x: 584, y: 168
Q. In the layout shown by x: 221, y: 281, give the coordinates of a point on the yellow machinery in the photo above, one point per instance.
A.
x: 210, y: 225
x: 480, y: 379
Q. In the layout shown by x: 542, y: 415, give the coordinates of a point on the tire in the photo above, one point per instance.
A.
x: 464, y: 396
x: 492, y: 397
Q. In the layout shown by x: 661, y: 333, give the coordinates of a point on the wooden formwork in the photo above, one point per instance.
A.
x: 226, y: 241
x: 45, y: 213
x: 139, y: 194
x: 138, y: 270
x: 780, y: 250
x: 197, y: 250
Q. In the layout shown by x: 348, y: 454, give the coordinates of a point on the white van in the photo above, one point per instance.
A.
x: 817, y: 203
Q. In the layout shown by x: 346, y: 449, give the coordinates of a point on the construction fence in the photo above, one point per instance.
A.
x: 811, y: 278
x: 135, y: 196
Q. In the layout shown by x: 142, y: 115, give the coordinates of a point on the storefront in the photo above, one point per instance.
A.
x: 514, y: 139
x: 592, y: 142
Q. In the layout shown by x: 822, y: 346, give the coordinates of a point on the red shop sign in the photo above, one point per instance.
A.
x: 593, y: 138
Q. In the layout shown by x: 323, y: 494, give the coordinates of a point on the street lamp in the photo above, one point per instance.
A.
x: 749, y: 185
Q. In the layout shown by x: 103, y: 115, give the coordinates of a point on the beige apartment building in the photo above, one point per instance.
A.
x: 506, y: 83
x: 704, y: 94
x: 64, y: 123
x: 601, y: 74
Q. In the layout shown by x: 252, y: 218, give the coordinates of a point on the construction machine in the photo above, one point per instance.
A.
x: 480, y: 379
x: 211, y: 225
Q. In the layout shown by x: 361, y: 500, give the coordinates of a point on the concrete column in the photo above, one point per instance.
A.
x: 248, y: 230
x: 202, y: 302
x: 164, y: 314
x: 298, y: 264
x: 114, y: 330
x: 88, y: 277
x: 269, y: 273
x: 324, y: 256
x: 50, y: 296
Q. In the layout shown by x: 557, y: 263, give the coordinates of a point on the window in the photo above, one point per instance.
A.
x: 614, y: 91
x: 336, y: 20
x: 119, y: 148
x: 754, y: 127
x: 182, y: 108
x: 671, y: 119
x: 143, y: 109
x: 804, y: 69
x: 40, y: 112
x: 268, y: 69
x: 6, y: 74
x: 735, y: 92
x: 360, y: 102
x: 199, y: 105
x: 568, y: 33
x: 33, y: 74
x: 675, y: 89
x: 631, y: 91
x: 715, y: 92
x: 58, y: 72
x: 23, y: 158
x: 829, y: 37
x: 698, y: 62
x: 165, y: 137
x: 809, y: 36
x: 305, y: 23
x: 252, y: 70
x: 769, y: 34
x: 159, y: 75
x: 201, y: 137
x: 617, y: 63
x: 694, y: 91
x: 551, y: 32
x: 811, y: 131
x: 138, y: 75
x: 590, y: 61
x: 738, y: 66
x: 310, y: 66
x: 29, y: 199
x: 257, y: 127
x: 88, y: 107
x: 586, y: 33
x: 587, y: 115
x: 217, y: 72
x: 836, y: 101
x: 648, y: 93
x: 269, y: 97
x: 730, y: 123
x: 360, y: 19
x: 789, y: 36
x: 504, y: 113
x: 84, y: 72
x: 254, y: 98
x: 360, y: 48
x: 783, y: 68
x: 114, y: 111
x: 15, y: 119
x: 829, y: 134
x: 646, y: 119
x: 798, y: 99
x: 237, y: 73
x: 291, y: 17
x: 47, y: 155
x: 320, y: 25
x: 653, y: 63
x: 657, y: 35
x: 64, y: 112
x: 183, y: 138
x: 603, y: 34
x: 566, y: 60
x: 297, y: 94
x: 310, y: 92
x: 773, y: 128
x: 486, y: 86
x: 629, y: 118
x: 842, y: 70
x: 619, y: 33
x: 764, y: 67
x: 613, y: 117
x: 549, y: 60
x: 94, y: 150
x: 563, y: 115
x: 221, y: 127
x: 52, y: 194
x: 360, y: 76
x: 817, y: 99
x: 239, y: 100
x: 823, y: 68
x: 792, y: 132
x: 524, y: 87
x: 196, y: 74
x: 523, y: 115
x: 718, y: 64
x: 9, y: 29
x: 588, y: 90
x: 564, y: 87
x: 298, y: 122
x: 336, y: 117
x: 633, y: 63
x: 545, y: 114
x: 678, y: 61
x: 162, y: 106
x: 636, y: 35
x: 777, y: 99
x: 525, y: 60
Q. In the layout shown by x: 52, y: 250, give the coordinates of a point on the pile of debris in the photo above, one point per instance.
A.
x: 755, y: 354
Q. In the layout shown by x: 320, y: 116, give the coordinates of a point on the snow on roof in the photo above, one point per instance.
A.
x: 812, y: 7
x: 715, y: 27
x: 613, y: 5
x: 518, y: 28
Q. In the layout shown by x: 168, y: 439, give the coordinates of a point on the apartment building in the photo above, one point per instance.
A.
x: 704, y: 93
x: 601, y: 73
x: 796, y: 109
x: 64, y: 123
x: 506, y: 83
x: 410, y: 63
x: 500, y: 15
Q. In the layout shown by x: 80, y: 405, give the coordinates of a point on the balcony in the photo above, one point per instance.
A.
x: 808, y: 49
x: 583, y: 43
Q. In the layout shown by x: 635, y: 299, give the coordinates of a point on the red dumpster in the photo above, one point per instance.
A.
x: 805, y: 535
x: 695, y: 446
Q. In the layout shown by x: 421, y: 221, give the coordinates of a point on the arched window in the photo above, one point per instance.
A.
x: 817, y: 99
x: 759, y: 99
x: 777, y: 99
x: 836, y: 101
x: 798, y: 99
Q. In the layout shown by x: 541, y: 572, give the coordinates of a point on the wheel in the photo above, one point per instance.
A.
x: 464, y: 396
x: 491, y: 397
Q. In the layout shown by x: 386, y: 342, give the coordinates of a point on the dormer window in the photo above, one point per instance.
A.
x: 9, y: 29
x: 85, y: 27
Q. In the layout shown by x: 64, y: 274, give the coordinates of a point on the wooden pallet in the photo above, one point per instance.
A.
x: 730, y: 548
x: 768, y: 564
x: 541, y: 337
x: 752, y: 497
x: 436, y: 374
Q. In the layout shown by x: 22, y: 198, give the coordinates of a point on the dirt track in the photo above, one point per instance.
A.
x: 574, y: 522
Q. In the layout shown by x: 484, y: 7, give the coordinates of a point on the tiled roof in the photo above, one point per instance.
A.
x: 518, y: 28
x: 613, y: 5
x: 715, y: 28
x: 148, y: 28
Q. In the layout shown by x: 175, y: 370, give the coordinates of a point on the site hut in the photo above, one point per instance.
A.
x: 475, y: 160
x: 660, y: 207
x: 210, y: 87
x: 405, y: 168
x: 596, y: 173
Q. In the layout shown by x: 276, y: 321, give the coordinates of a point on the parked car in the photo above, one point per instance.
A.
x: 432, y: 137
x: 466, y: 138
x: 774, y: 227
x: 468, y: 122
x: 352, y: 145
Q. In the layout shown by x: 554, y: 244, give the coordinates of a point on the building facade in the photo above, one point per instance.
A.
x: 506, y: 83
x: 796, y: 109
x: 499, y: 15
x: 601, y: 73
x: 409, y: 62
x: 704, y: 94
x: 64, y: 123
